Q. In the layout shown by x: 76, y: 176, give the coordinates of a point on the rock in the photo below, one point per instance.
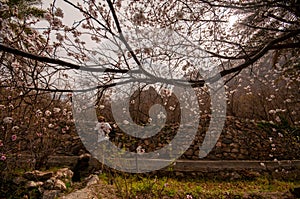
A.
x: 252, y: 174
x: 235, y: 176
x: 146, y: 142
x: 235, y: 150
x: 189, y: 152
x: 219, y: 144
x: 238, y: 125
x: 76, y: 138
x: 227, y: 141
x: 33, y: 184
x: 244, y: 151
x: 84, y: 193
x: 66, y: 137
x: 179, y: 174
x: 233, y: 156
x: 38, y: 175
x: 60, y: 185
x: 49, y: 184
x: 51, y: 194
x: 64, y: 173
x: 19, y: 180
x: 93, y: 179
x: 234, y: 145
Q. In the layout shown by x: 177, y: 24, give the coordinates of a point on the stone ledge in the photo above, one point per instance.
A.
x: 180, y: 165
x: 199, y: 165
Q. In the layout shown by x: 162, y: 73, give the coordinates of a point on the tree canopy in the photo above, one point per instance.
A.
x: 116, y: 42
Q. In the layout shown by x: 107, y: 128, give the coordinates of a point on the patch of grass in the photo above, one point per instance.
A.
x: 136, y: 186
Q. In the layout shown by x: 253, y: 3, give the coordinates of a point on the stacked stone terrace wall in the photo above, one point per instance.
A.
x: 239, y: 140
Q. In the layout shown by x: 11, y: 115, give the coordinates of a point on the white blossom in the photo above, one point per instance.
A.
x: 8, y: 120
x: 272, y: 145
x: 56, y: 110
x: 278, y: 119
x: 15, y: 128
x: 272, y: 111
x: 161, y: 115
x: 140, y: 150
x: 288, y: 100
x: 262, y: 164
x: 171, y: 108
x: 48, y: 113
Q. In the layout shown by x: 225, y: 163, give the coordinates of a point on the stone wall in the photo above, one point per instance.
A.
x: 240, y: 140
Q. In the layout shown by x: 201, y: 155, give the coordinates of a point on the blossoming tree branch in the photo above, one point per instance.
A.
x: 236, y: 36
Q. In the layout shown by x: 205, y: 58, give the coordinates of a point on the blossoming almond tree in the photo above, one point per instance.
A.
x: 29, y: 119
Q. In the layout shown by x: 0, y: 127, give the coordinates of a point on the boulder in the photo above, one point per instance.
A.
x: 60, y: 185
x: 51, y: 194
x: 33, y: 184
x: 38, y: 175
x: 49, y: 184
x: 64, y: 173
x: 92, y: 179
x: 19, y: 180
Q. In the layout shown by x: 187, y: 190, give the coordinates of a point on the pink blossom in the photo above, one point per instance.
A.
x: 13, y: 137
x: 63, y: 130
x: 47, y: 16
x: 59, y: 13
x: 57, y: 22
x: 59, y: 37
x: 1, y: 143
x: 3, y: 157
x: 188, y: 196
x: 15, y: 65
